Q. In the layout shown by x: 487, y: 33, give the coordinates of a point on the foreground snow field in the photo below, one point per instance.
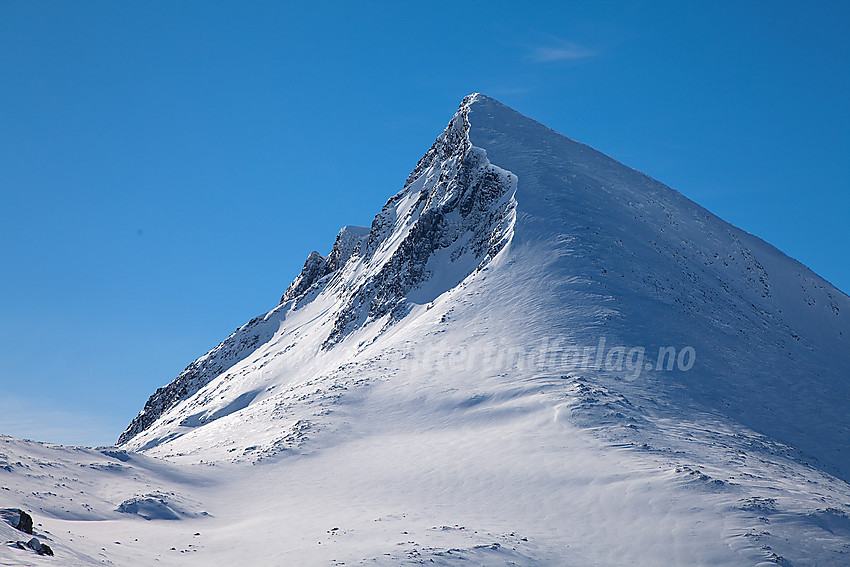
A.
x: 534, y: 356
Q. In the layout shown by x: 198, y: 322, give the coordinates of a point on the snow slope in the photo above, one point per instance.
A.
x: 475, y: 378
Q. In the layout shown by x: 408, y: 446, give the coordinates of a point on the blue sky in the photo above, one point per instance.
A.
x: 165, y: 168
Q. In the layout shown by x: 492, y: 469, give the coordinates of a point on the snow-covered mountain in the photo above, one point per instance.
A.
x: 534, y: 356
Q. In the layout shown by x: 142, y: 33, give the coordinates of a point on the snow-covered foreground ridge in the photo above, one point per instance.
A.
x: 534, y: 356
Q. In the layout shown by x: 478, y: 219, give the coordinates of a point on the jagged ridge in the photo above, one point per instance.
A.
x: 459, y: 201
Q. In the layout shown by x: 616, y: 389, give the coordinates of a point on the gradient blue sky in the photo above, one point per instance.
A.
x: 166, y: 167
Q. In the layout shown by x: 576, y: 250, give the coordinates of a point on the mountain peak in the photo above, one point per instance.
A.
x: 521, y: 308
x: 480, y: 98
x: 529, y: 237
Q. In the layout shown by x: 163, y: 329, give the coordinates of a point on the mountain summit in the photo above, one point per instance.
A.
x: 528, y: 332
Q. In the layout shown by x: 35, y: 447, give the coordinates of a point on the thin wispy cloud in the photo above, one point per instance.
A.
x: 561, y: 51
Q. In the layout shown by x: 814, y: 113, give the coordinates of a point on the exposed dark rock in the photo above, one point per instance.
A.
x: 349, y: 243
x: 38, y: 547
x: 462, y: 196
x: 314, y: 268
x: 33, y: 545
x: 17, y: 518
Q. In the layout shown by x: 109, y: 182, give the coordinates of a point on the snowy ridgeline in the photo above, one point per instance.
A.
x: 534, y: 356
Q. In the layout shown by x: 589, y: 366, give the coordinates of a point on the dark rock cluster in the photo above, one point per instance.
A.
x: 17, y: 518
